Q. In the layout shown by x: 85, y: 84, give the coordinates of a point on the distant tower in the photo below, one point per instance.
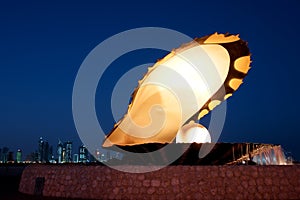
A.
x: 83, y: 154
x: 68, y: 147
x: 60, y: 147
x: 10, y: 157
x: 36, y: 156
x: 51, y: 156
x: 43, y: 151
x: 75, y: 158
x: 63, y: 158
x: 1, y: 156
x: 46, y: 152
x: 40, y: 150
x: 4, y: 155
x: 19, y: 156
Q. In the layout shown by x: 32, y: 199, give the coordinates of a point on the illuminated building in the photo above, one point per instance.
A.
x: 43, y: 153
x: 51, y: 156
x: 75, y: 158
x: 40, y: 150
x: 83, y: 154
x: 46, y: 152
x: 68, y: 149
x: 64, y: 152
x: 4, y: 155
x: 63, y: 158
x: 19, y: 156
x: 60, y: 152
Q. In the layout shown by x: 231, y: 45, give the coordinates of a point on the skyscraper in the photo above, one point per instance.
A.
x: 75, y: 158
x: 68, y: 147
x: 4, y: 155
x: 46, y: 152
x: 60, y: 147
x: 63, y: 154
x: 51, y: 156
x: 83, y: 154
x: 40, y: 150
x: 43, y: 151
x: 19, y: 156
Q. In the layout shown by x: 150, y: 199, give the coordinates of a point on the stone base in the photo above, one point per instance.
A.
x: 172, y: 182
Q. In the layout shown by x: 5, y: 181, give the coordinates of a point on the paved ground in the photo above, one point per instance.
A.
x: 9, y: 190
x: 10, y: 175
x: 18, y: 196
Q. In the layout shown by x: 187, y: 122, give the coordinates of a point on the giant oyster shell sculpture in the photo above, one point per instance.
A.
x: 190, y: 81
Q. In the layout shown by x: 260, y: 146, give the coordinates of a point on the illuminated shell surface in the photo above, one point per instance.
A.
x: 191, y: 80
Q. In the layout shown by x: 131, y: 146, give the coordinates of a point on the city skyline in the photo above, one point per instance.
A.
x: 62, y: 152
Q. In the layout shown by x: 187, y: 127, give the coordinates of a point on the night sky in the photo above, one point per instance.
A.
x: 42, y: 46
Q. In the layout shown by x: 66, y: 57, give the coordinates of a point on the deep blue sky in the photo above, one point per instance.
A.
x: 42, y: 45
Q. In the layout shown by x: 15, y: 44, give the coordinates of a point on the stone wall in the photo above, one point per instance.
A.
x: 172, y: 182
